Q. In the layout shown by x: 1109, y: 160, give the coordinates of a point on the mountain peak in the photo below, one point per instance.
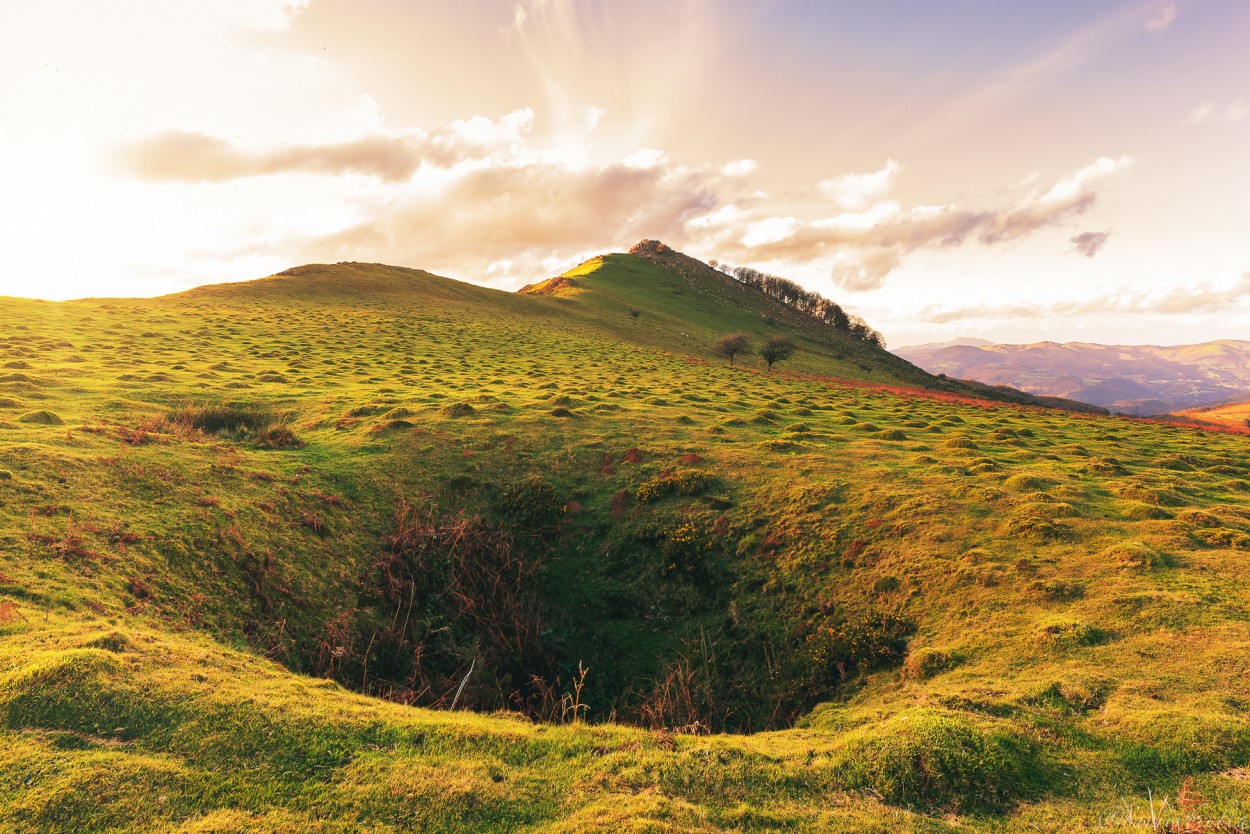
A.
x: 647, y: 246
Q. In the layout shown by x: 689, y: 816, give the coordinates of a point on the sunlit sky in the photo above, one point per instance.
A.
x: 1006, y: 169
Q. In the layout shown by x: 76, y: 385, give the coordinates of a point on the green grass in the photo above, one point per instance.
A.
x: 258, y: 501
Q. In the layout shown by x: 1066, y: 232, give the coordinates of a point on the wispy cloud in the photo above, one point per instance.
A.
x: 489, y: 182
x: 856, y: 191
x: 1209, y: 111
x: 1202, y: 298
x: 1162, y: 17
x: 1060, y: 58
x: 393, y: 157
x: 864, y: 247
x: 1088, y: 243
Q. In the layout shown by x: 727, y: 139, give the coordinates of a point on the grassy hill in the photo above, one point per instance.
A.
x: 1233, y: 414
x: 250, y: 534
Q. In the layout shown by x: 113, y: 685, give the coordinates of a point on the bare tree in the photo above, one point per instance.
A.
x: 776, y: 349
x: 731, y: 345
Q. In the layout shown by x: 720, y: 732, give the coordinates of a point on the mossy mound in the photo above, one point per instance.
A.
x: 1026, y: 482
x: 937, y: 761
x: 1133, y: 555
x: 41, y: 418
x: 457, y: 410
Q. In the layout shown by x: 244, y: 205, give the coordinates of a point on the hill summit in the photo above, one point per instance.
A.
x: 668, y: 296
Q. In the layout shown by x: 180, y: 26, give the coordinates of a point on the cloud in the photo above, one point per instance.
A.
x: 1203, y: 298
x: 865, y: 271
x: 739, y: 168
x: 1209, y: 111
x: 1076, y: 182
x: 528, y: 214
x: 1162, y: 18
x: 1088, y: 243
x: 866, y: 246
x: 645, y: 158
x: 485, y: 187
x: 183, y: 156
x: 855, y: 191
x: 477, y: 197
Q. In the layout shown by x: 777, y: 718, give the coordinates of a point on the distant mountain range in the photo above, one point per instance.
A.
x: 961, y: 341
x: 1131, y: 379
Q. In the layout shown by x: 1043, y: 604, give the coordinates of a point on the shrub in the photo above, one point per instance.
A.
x: 222, y: 418
x: 731, y: 345
x: 776, y: 349
x: 685, y: 547
x: 865, y: 640
x: 245, y: 422
x: 684, y: 482
x: 886, y: 585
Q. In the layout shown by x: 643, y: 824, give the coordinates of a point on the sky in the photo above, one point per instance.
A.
x: 1075, y: 170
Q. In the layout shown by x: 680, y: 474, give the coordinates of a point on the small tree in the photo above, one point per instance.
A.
x: 731, y: 345
x: 776, y: 349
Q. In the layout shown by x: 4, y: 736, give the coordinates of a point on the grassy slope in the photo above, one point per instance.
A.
x: 689, y: 312
x: 1078, y: 583
x: 1233, y: 414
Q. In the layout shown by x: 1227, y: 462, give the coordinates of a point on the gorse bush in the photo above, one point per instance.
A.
x: 686, y: 482
x: 863, y: 641
x: 685, y: 547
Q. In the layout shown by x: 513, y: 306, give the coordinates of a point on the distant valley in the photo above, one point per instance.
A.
x: 1130, y: 379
